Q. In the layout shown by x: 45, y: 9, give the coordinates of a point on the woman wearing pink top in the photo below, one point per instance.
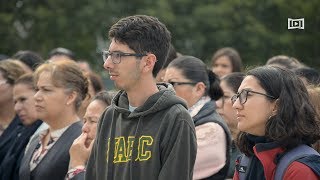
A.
x: 199, y: 86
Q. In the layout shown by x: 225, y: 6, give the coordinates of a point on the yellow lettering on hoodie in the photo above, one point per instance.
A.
x: 123, y: 151
x: 130, y: 146
x: 144, y: 155
x: 120, y: 150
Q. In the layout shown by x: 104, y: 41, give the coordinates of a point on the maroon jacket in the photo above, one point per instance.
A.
x: 295, y: 171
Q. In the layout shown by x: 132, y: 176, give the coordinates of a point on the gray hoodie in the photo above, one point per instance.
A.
x: 155, y: 141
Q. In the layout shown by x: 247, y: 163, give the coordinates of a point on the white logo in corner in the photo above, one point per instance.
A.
x: 296, y: 23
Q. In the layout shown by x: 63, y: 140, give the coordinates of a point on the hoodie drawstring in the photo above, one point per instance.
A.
x: 111, y: 148
x: 134, y: 147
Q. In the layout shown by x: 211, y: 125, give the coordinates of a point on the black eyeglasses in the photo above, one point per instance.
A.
x: 243, y: 95
x: 181, y: 83
x: 116, y: 56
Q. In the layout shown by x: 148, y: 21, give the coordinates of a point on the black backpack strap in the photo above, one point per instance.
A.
x: 243, y: 166
x: 292, y: 155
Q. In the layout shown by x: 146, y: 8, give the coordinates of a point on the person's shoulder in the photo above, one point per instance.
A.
x: 177, y: 110
x: 177, y: 114
x: 298, y: 170
x: 210, y: 127
x: 210, y: 131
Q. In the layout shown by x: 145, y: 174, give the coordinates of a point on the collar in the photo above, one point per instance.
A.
x: 54, y: 134
x: 193, y: 110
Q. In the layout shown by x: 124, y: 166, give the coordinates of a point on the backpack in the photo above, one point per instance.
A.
x: 302, y: 153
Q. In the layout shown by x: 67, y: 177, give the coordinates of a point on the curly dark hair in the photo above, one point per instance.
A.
x: 296, y: 121
x: 143, y: 34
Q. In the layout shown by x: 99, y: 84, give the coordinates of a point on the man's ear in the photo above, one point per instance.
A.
x: 149, y: 62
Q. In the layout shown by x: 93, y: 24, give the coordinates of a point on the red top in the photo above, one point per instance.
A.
x: 295, y: 171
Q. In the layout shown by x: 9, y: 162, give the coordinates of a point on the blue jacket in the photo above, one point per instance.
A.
x: 8, y: 136
x: 9, y: 168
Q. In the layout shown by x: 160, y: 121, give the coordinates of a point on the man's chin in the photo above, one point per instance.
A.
x: 119, y: 87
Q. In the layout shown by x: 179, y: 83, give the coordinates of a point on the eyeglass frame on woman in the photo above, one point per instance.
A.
x: 173, y: 83
x: 118, y: 54
x: 238, y: 95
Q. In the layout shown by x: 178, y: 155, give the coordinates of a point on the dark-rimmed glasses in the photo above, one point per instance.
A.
x: 181, y: 83
x: 116, y: 56
x: 243, y: 96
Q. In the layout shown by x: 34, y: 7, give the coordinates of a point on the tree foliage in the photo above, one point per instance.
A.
x: 257, y: 29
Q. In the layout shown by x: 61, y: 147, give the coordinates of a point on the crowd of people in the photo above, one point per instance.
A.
x: 171, y: 117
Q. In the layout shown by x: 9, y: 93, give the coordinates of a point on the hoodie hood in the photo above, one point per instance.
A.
x: 166, y: 97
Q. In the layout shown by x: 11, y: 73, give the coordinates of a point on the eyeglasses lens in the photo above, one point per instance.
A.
x: 243, y: 96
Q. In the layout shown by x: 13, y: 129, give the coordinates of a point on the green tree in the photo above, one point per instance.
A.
x: 257, y: 29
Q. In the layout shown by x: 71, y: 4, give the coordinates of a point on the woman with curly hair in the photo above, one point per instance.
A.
x: 275, y: 115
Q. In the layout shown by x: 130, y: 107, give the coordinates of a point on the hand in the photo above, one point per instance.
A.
x: 79, y: 152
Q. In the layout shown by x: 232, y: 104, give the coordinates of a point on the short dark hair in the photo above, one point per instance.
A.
x: 311, y: 75
x: 296, y: 121
x: 195, y: 70
x: 232, y: 54
x: 30, y: 58
x: 172, y: 54
x: 103, y: 96
x: 284, y: 61
x: 62, y: 51
x: 233, y: 80
x: 143, y: 34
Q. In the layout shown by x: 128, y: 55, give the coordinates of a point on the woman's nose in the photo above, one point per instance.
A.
x: 236, y: 104
x: 37, y: 96
x: 17, y: 106
x: 85, y: 128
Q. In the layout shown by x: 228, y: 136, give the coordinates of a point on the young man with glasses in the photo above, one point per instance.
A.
x: 147, y: 132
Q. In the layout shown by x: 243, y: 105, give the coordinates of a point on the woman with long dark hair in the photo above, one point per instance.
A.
x: 275, y: 116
